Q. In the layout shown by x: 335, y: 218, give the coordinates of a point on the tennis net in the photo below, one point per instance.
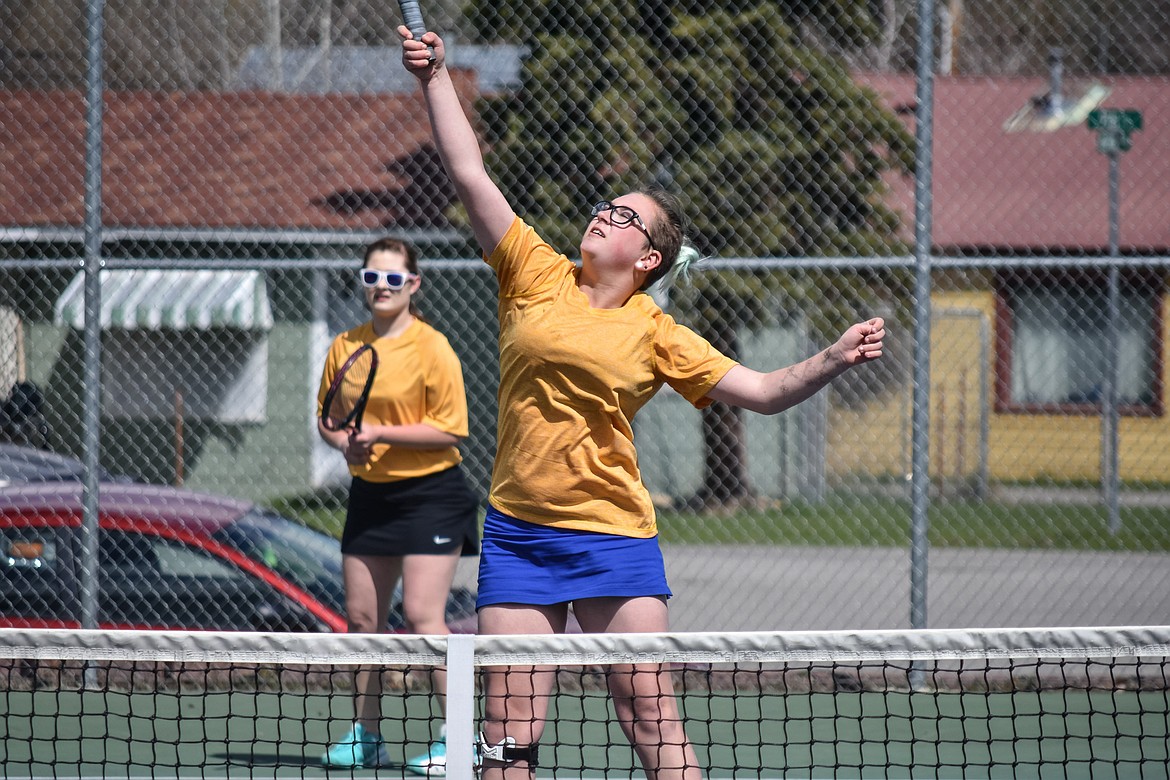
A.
x: 1078, y: 702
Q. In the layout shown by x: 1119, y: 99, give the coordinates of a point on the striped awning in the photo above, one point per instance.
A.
x: 174, y: 300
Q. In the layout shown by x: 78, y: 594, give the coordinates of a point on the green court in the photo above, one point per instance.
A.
x: 241, y: 734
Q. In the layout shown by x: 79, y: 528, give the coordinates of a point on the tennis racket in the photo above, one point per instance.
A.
x: 345, y: 400
x: 413, y: 19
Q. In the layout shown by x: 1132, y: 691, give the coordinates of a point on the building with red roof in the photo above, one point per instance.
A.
x: 998, y: 191
x: 243, y: 160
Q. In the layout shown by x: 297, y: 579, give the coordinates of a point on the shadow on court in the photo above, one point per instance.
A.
x: 256, y: 758
x: 294, y: 764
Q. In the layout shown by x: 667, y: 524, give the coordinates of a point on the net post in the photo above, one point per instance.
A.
x: 460, y: 706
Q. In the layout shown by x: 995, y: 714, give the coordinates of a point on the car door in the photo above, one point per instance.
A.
x: 152, y: 581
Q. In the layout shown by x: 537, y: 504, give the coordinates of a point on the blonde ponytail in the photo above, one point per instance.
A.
x: 688, y: 255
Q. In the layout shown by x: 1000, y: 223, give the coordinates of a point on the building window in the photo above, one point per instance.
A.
x: 1052, y: 331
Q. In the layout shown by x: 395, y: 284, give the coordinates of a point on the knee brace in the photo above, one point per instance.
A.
x: 506, y: 752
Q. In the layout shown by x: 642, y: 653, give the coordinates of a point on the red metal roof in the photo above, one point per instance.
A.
x: 250, y: 160
x: 330, y: 162
x: 1000, y: 191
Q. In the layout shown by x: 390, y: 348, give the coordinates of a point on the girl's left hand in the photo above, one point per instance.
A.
x: 862, y: 342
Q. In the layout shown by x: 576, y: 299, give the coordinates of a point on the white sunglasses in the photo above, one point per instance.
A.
x: 393, y: 280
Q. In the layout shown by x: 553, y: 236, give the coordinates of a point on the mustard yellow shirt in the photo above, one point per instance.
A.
x: 419, y: 380
x: 571, y: 380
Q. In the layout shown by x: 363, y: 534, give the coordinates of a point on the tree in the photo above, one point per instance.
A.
x: 175, y: 45
x: 1010, y: 38
x: 765, y: 136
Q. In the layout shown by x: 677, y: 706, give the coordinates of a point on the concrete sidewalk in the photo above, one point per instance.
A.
x: 769, y: 588
x: 746, y: 588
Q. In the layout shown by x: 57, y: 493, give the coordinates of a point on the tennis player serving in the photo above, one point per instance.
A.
x: 581, y: 351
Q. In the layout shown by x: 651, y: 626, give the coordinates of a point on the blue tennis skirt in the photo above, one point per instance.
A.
x: 525, y: 563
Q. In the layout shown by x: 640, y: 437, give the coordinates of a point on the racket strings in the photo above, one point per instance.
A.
x: 351, y: 389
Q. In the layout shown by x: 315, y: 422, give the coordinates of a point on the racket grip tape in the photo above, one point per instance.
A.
x: 413, y: 19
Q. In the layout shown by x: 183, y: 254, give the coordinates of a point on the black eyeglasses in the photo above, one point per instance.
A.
x: 620, y: 216
x: 394, y: 280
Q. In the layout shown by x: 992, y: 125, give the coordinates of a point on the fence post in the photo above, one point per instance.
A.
x: 923, y: 246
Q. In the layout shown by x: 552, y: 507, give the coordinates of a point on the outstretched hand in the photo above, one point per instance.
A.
x: 862, y: 342
x: 422, y: 57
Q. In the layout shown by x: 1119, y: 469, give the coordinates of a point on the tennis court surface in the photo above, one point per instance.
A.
x: 1018, y: 703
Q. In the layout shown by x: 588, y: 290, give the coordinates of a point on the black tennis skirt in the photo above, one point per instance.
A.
x: 431, y: 515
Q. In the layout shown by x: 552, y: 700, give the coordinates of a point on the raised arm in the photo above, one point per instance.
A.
x: 490, y: 213
x: 774, y: 391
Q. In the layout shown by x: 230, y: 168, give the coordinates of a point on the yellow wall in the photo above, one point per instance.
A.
x: 874, y: 440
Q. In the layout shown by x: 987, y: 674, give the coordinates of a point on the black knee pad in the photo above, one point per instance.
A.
x: 507, y: 752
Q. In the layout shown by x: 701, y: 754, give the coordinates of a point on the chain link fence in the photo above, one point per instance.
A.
x: 251, y: 148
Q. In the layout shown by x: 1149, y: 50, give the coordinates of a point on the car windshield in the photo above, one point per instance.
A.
x: 306, y: 557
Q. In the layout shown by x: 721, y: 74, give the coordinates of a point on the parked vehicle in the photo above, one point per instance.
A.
x: 20, y: 464
x: 171, y: 559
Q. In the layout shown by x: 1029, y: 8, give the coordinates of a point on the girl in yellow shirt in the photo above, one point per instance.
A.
x: 581, y: 350
x: 411, y: 514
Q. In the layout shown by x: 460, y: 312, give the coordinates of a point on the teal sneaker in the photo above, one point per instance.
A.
x: 432, y: 763
x: 358, y: 748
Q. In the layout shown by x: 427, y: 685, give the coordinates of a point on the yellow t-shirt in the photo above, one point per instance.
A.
x: 571, y: 379
x: 419, y: 380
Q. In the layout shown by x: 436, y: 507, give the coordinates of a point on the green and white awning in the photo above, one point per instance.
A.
x: 172, y: 300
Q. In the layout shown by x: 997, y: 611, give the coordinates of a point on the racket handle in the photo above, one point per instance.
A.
x: 413, y: 19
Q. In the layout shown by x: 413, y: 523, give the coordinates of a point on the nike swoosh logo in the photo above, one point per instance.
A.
x: 441, y: 539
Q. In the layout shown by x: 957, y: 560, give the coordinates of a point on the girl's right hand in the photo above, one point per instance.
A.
x: 357, y: 452
x: 417, y: 56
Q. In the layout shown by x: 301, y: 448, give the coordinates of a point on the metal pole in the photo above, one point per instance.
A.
x: 923, y: 239
x: 91, y: 384
x: 1110, y: 422
x: 984, y: 482
x: 272, y: 40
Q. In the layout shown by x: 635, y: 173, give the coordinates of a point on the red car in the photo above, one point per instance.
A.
x: 170, y: 559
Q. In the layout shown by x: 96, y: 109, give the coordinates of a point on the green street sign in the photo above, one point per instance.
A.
x: 1113, y: 126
